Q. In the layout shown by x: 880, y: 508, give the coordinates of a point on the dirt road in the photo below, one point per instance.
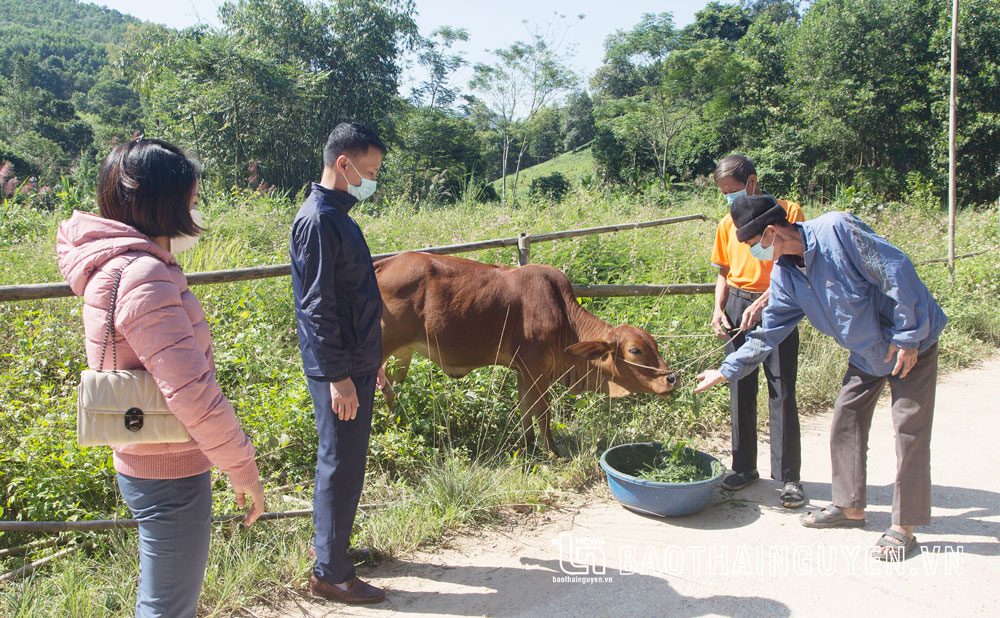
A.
x: 736, y: 558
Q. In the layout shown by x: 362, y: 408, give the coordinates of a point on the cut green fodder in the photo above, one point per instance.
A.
x: 677, y: 463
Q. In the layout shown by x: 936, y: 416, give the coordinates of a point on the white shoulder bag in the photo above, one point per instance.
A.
x: 124, y: 406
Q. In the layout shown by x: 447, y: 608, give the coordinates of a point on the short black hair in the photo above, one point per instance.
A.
x: 736, y: 166
x: 350, y: 137
x: 148, y: 184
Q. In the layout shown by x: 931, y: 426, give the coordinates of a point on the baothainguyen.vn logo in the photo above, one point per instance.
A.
x: 585, y: 560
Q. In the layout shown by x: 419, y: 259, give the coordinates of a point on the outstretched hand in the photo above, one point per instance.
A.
x: 707, y: 379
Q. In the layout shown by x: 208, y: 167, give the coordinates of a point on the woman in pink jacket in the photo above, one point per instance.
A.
x: 147, y: 191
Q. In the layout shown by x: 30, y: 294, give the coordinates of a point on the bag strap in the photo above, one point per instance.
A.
x: 110, y: 326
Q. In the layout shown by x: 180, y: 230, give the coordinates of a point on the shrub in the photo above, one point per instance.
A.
x: 554, y: 186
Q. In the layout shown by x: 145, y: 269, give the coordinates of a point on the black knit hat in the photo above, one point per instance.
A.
x: 752, y: 213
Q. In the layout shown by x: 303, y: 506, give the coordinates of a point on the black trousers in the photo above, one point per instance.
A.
x: 780, y: 368
x: 340, y: 475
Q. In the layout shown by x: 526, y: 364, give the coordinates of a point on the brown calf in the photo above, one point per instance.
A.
x: 463, y: 315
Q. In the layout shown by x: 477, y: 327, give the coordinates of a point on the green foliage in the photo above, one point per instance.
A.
x: 978, y: 112
x: 268, y: 88
x: 51, y: 54
x: 440, y: 66
x: 577, y: 121
x: 554, y: 186
x: 443, y: 153
x: 726, y: 22
x: 847, y: 92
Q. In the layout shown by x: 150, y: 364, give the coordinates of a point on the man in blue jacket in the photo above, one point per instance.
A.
x: 338, y: 309
x: 865, y: 293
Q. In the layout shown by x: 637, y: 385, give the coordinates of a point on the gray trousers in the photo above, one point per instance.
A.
x: 912, y: 413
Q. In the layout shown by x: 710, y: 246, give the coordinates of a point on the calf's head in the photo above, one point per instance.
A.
x: 628, y: 360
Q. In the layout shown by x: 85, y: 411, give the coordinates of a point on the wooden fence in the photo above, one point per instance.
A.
x: 523, y: 242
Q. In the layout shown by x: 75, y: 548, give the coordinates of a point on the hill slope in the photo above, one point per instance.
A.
x: 81, y: 20
x: 574, y: 165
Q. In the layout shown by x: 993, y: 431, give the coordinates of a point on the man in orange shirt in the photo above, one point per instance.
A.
x: 741, y: 293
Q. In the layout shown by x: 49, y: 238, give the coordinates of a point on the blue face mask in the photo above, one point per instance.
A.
x: 731, y: 197
x: 362, y: 191
x: 759, y: 252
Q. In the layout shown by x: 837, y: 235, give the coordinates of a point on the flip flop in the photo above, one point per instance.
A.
x: 739, y: 480
x: 830, y: 517
x: 897, y: 551
x: 792, y: 495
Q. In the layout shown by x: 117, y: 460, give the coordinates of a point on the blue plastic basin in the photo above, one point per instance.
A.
x: 654, y: 498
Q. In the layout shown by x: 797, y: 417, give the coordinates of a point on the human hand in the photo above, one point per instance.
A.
x: 906, y: 359
x: 720, y: 323
x: 380, y: 379
x: 256, y: 492
x: 345, y: 399
x: 707, y: 379
x: 752, y: 314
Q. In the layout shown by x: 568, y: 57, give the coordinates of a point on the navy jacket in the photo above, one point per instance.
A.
x: 338, y: 307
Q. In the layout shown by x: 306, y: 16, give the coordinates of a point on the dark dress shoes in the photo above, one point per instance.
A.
x: 357, y: 591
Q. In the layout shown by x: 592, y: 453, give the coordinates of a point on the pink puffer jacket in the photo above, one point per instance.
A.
x: 159, y: 325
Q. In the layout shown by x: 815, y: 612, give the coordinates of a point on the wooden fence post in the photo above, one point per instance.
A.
x: 523, y: 248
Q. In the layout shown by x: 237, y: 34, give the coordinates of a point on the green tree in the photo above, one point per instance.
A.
x: 578, y: 125
x: 441, y: 151
x: 726, y: 22
x: 684, y: 86
x: 524, y: 78
x: 440, y: 65
x: 860, y: 71
x: 978, y: 111
x: 270, y: 85
x: 544, y: 135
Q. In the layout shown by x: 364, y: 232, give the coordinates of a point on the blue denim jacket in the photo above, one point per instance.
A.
x: 855, y: 287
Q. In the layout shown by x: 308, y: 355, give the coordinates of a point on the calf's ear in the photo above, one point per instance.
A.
x: 589, y: 350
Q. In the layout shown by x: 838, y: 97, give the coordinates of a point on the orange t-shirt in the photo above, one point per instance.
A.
x: 745, y: 271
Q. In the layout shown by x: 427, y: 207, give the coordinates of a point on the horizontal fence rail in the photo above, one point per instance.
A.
x: 34, y: 527
x: 610, y: 291
x: 12, y: 293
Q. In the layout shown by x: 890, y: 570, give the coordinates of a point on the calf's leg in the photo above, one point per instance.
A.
x: 396, y: 374
x: 534, y: 404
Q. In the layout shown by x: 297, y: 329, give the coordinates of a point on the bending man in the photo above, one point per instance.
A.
x: 865, y: 293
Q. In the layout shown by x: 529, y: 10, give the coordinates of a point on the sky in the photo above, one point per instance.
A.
x: 490, y: 24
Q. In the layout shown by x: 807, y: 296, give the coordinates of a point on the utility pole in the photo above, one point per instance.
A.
x: 951, y: 140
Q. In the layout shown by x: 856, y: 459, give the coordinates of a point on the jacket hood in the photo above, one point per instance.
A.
x: 85, y: 242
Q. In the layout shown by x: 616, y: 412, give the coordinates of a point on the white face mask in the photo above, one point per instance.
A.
x: 185, y: 242
x: 362, y: 191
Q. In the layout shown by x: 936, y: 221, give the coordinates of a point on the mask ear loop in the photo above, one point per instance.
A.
x: 773, y: 238
x: 360, y: 175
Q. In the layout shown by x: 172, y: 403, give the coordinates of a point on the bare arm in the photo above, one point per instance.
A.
x: 720, y: 323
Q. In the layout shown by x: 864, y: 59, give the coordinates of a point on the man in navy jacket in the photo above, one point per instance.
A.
x: 865, y: 293
x: 338, y: 309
